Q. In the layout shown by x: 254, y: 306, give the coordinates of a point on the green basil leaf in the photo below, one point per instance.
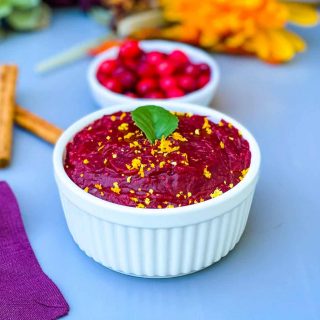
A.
x: 154, y: 121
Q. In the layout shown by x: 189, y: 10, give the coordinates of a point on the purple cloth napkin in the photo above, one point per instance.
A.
x: 26, y: 293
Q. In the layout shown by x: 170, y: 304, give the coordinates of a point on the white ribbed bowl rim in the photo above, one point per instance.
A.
x: 195, y: 54
x: 152, y: 217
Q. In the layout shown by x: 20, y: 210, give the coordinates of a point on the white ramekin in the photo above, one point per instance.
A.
x: 104, y: 97
x: 156, y: 242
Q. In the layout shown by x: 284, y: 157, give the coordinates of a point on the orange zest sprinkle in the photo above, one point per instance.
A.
x: 165, y: 146
x: 206, y: 172
x: 134, y: 144
x: 135, y: 163
x: 216, y: 193
x: 115, y: 188
x: 141, y: 170
x: 123, y: 126
x: 177, y: 136
x: 207, y: 126
x: 161, y: 164
x: 128, y: 135
x: 244, y: 172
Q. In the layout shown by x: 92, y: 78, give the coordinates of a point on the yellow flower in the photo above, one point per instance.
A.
x: 254, y: 27
x: 302, y: 14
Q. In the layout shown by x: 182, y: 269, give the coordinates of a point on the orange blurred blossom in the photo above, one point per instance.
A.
x: 254, y: 27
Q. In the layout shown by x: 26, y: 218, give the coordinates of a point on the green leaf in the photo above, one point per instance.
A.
x: 25, y: 4
x: 154, y: 121
x: 25, y: 20
x: 5, y: 9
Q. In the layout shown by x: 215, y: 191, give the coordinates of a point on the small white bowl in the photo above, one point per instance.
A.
x: 203, y: 96
x: 156, y: 242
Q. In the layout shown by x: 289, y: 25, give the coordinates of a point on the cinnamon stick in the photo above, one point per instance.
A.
x: 38, y: 126
x: 8, y: 78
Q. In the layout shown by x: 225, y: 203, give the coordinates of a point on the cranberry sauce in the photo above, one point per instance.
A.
x: 112, y: 160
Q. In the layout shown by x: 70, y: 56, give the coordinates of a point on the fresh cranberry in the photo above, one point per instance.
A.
x: 191, y: 70
x: 166, y: 68
x: 126, y: 78
x: 108, y: 66
x: 155, y: 95
x: 136, y: 73
x: 131, y: 94
x: 174, y: 93
x: 187, y: 83
x: 155, y: 57
x: 166, y: 83
x: 203, y: 80
x: 130, y: 64
x: 204, y: 68
x: 113, y: 85
x: 119, y: 70
x: 101, y: 77
x: 146, y: 85
x: 179, y: 57
x: 130, y: 50
x: 145, y: 70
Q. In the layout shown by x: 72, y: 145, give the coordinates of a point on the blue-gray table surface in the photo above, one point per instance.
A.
x: 274, y: 271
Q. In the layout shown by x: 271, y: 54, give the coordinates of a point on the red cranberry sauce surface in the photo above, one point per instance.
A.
x: 112, y: 160
x: 153, y: 75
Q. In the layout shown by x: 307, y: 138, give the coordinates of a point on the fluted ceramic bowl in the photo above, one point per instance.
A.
x: 104, y: 97
x: 164, y: 242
